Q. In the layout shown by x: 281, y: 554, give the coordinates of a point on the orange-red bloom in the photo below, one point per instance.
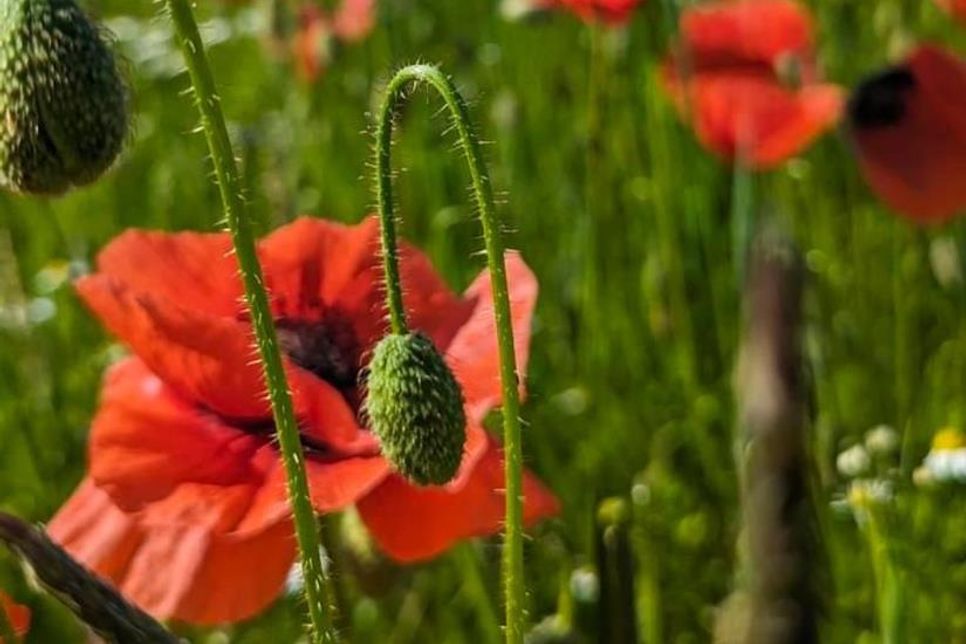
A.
x: 184, y: 508
x: 317, y: 29
x: 957, y: 8
x: 610, y: 11
x: 744, y: 75
x: 909, y: 129
x: 17, y: 615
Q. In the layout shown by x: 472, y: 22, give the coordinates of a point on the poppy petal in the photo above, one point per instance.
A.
x: 194, y: 269
x: 476, y: 447
x: 957, y: 8
x: 611, y: 11
x: 311, y: 263
x: 176, y: 571
x: 206, y: 358
x: 431, y: 306
x: 333, y: 485
x: 729, y: 34
x: 752, y: 118
x: 95, y: 531
x: 146, y: 441
x: 18, y: 616
x: 412, y: 523
x: 474, y: 355
x: 909, y: 132
x: 188, y: 573
x: 355, y: 19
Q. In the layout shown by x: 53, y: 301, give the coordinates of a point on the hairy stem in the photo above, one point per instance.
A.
x: 512, y: 573
x: 226, y: 172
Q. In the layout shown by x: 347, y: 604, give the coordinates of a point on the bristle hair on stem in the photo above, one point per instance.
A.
x: 318, y: 598
x: 397, y: 91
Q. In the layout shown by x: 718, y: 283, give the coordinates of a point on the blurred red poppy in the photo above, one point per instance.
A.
x: 17, y: 615
x: 908, y: 126
x: 610, y: 11
x: 744, y: 75
x: 955, y: 7
x: 317, y: 29
x: 184, y: 508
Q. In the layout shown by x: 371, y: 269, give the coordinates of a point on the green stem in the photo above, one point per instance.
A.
x: 513, y: 585
x: 226, y: 172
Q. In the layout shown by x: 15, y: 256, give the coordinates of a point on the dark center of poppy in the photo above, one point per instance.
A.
x: 328, y: 348
x: 880, y: 101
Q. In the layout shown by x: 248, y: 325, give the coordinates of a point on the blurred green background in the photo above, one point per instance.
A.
x: 626, y: 222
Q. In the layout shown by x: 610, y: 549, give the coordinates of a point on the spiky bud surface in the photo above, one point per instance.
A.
x: 62, y: 98
x: 415, y: 408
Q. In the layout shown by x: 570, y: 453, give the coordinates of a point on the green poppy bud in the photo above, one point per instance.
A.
x: 62, y: 98
x: 415, y: 409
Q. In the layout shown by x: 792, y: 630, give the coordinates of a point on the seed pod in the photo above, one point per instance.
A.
x: 415, y: 408
x: 62, y: 99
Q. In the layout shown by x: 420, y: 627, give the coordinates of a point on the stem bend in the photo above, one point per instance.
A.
x: 512, y: 573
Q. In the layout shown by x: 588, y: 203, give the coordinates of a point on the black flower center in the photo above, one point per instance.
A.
x: 880, y: 101
x: 327, y: 347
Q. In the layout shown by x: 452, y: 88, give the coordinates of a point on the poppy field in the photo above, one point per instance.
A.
x: 483, y: 321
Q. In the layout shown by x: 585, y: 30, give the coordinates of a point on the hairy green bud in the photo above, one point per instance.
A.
x: 415, y: 409
x: 62, y: 98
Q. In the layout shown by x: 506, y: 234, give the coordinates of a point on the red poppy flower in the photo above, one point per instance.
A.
x: 909, y: 130
x: 744, y: 74
x: 312, y: 44
x: 610, y: 11
x: 957, y: 8
x: 17, y: 615
x: 184, y: 508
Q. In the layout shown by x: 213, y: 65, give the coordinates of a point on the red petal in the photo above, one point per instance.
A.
x: 753, y: 118
x: 95, y: 531
x: 206, y: 358
x: 412, y: 524
x: 726, y: 34
x: 155, y: 453
x: 18, y: 616
x: 314, y: 263
x: 476, y: 447
x: 196, y: 270
x: 355, y: 19
x: 146, y: 441
x: 473, y: 354
x: 955, y: 7
x: 612, y: 11
x: 916, y: 159
x: 188, y: 573
x: 333, y: 485
x: 431, y: 306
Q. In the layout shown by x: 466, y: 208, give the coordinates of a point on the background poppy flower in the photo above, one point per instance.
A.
x: 744, y: 75
x: 185, y: 508
x: 317, y: 30
x: 18, y: 616
x: 957, y: 8
x: 610, y: 11
x: 909, y: 131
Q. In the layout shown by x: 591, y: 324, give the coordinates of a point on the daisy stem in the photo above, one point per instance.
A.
x: 396, y: 93
x: 226, y: 173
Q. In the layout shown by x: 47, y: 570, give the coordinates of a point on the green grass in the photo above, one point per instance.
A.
x: 627, y: 223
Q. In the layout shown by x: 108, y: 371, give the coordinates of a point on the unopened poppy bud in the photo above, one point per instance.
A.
x: 63, y: 102
x: 415, y: 408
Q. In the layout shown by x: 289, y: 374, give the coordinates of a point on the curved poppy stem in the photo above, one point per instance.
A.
x: 492, y: 234
x: 226, y: 172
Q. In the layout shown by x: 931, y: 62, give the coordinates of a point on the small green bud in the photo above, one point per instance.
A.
x: 62, y: 100
x: 415, y: 409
